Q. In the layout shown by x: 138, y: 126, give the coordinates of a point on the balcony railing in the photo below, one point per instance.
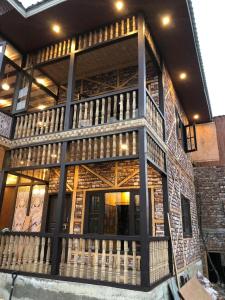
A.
x: 38, y: 123
x: 117, y: 106
x: 113, y: 260
x: 25, y: 253
x: 154, y: 116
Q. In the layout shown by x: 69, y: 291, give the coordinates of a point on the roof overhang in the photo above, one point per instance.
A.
x: 178, y: 45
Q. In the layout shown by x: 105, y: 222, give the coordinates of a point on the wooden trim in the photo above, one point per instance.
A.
x: 98, y: 176
x: 129, y: 177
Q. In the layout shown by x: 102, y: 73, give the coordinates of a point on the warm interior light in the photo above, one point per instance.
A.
x: 5, y: 86
x: 166, y: 20
x: 41, y: 107
x: 40, y: 81
x: 4, y: 102
x: 196, y: 117
x: 124, y: 147
x: 183, y: 76
x: 56, y: 28
x: 119, y: 5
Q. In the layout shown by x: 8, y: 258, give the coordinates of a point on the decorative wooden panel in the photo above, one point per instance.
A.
x: 36, y: 207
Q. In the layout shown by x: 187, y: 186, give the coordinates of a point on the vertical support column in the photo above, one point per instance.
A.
x: 59, y: 212
x: 3, y: 178
x: 70, y: 87
x: 141, y: 67
x: 2, y: 52
x: 144, y: 207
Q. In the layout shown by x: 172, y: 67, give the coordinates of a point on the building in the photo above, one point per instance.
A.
x: 209, y: 162
x: 98, y: 105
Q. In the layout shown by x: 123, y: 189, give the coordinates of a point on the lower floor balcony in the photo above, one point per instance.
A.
x: 96, y: 236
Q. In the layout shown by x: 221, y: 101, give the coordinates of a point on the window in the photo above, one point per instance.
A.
x: 180, y: 129
x: 186, y: 217
x: 113, y: 213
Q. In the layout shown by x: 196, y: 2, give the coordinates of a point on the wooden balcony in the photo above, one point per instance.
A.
x: 112, y: 259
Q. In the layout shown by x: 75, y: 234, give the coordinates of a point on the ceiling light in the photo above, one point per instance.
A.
x: 41, y: 107
x: 3, y: 101
x: 183, y: 76
x: 119, y: 5
x: 56, y: 28
x: 166, y: 20
x: 196, y: 117
x: 124, y: 147
x: 5, y: 86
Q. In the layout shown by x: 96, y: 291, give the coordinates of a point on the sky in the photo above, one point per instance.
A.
x: 209, y: 16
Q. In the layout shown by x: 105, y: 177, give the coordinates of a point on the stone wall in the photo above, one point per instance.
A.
x: 180, y: 181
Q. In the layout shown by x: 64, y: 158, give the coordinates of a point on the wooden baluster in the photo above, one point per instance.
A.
x: 95, y: 148
x: 39, y: 152
x: 69, y: 257
x: 17, y: 128
x: 100, y: 36
x: 52, y: 122
x: 82, y: 241
x: 47, y: 263
x: 121, y: 106
x: 2, y: 245
x: 111, y: 32
x: 20, y: 155
x: 86, y: 113
x: 91, y: 113
x: 90, y: 40
x: 106, y: 33
x: 63, y: 258
x: 103, y: 262
x: 42, y: 252
x: 30, y: 265
x: 89, y: 148
x: 25, y: 126
x: 102, y: 147
x: 10, y: 252
x: 110, y: 273
x: 109, y: 110
x: 49, y: 154
x: 84, y: 149
x: 34, y: 124
x: 97, y: 112
x: 117, y: 29
x: 96, y: 260
x: 134, y: 150
x: 75, y: 269
x: 53, y: 154
x: 43, y: 158
x: 57, y: 120
x: 128, y: 107
x: 103, y: 111
x: 68, y: 46
x: 80, y: 115
x: 134, y: 271
x: 89, y: 264
x: 127, y: 151
x: 108, y: 146
x: 128, y: 25
x: 115, y: 107
x: 85, y: 41
x: 64, y: 48
x: 114, y: 146
x: 42, y: 123
x: 120, y: 144
x: 74, y: 116
x: 47, y: 122
x: 95, y: 37
x: 134, y: 23
x: 118, y: 249
x: 61, y: 119
x: 122, y: 27
x: 25, y: 254
x: 15, y: 252
x: 78, y: 152
x: 126, y: 262
x: 38, y: 123
x: 59, y: 153
x: 20, y: 252
x: 29, y: 125
x: 134, y: 103
x: 20, y: 133
x: 36, y: 252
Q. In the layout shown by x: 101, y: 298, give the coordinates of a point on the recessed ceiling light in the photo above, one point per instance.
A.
x: 5, y: 86
x: 119, y: 5
x: 183, y: 76
x: 166, y: 20
x: 41, y: 107
x: 56, y: 28
x: 196, y: 117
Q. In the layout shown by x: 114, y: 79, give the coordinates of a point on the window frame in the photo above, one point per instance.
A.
x: 186, y: 217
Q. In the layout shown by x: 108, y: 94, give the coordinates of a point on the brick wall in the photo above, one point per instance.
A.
x: 180, y: 181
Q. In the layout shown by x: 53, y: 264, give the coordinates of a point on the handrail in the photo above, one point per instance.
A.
x: 101, y: 237
x: 38, y: 110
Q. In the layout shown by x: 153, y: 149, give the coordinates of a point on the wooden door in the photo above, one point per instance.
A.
x: 8, y: 207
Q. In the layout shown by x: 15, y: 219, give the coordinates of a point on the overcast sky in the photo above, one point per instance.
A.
x: 209, y: 15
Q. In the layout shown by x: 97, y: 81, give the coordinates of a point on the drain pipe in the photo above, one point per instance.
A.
x: 14, y: 276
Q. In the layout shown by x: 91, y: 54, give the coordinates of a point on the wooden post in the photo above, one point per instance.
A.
x: 144, y: 208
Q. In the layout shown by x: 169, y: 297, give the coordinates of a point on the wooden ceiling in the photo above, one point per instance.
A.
x: 178, y: 44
